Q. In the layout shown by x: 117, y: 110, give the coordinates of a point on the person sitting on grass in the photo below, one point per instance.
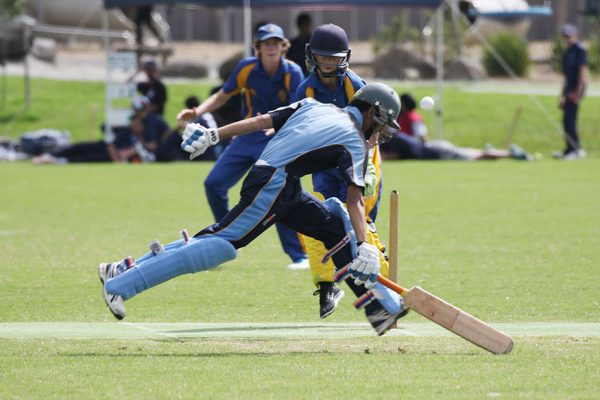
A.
x: 135, y: 142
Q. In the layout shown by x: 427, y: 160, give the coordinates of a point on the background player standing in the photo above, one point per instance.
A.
x: 331, y: 81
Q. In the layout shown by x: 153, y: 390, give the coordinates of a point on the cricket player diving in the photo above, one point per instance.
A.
x: 309, y: 137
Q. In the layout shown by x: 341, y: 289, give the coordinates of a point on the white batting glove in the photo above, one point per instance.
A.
x: 196, y: 139
x: 365, y: 268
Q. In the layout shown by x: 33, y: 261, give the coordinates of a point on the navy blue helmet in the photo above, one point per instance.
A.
x: 328, y: 40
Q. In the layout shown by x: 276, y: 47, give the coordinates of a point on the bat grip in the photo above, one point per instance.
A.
x: 343, y: 273
x: 390, y: 284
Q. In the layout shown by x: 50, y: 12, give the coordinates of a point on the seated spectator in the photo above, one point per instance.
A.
x: 133, y: 143
x: 170, y: 148
x: 410, y: 121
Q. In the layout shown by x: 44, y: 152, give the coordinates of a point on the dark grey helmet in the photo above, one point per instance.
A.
x: 385, y: 101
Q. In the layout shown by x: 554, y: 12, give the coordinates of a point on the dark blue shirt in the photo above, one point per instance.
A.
x: 574, y: 58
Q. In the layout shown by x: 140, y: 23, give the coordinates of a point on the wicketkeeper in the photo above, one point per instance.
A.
x: 309, y: 137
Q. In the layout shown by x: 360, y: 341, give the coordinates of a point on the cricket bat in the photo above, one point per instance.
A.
x: 450, y: 317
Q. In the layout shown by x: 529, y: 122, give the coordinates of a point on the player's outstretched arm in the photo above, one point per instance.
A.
x: 196, y: 139
x: 246, y: 126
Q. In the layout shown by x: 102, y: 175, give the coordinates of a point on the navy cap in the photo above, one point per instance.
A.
x: 329, y: 40
x: 150, y: 64
x: 569, y: 30
x: 269, y: 31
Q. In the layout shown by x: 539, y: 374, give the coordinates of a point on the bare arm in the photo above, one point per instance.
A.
x: 581, y: 83
x: 246, y: 126
x: 356, y: 209
x: 211, y: 104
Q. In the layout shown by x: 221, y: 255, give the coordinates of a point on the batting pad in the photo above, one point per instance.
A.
x: 169, y: 246
x: 200, y: 254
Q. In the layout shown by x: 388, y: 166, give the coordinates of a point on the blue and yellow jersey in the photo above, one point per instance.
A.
x: 262, y: 93
x: 330, y: 183
x: 344, y: 91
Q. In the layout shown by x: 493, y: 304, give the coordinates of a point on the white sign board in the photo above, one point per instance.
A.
x: 119, y: 94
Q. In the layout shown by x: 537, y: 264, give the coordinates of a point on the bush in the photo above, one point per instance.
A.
x: 558, y: 49
x: 513, y: 51
x: 593, y: 55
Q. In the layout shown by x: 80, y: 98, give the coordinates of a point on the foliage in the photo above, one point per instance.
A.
x: 400, y: 32
x: 512, y: 49
x: 397, y: 32
x: 593, y: 54
x: 558, y: 49
x: 12, y: 7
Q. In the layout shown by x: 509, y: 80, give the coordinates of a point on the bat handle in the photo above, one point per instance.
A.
x: 343, y: 273
x: 390, y: 284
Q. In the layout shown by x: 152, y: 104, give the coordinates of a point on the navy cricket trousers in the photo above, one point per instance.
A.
x: 269, y: 196
x: 229, y: 168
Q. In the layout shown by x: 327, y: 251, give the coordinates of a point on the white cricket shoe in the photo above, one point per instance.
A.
x: 114, y: 302
x: 299, y: 265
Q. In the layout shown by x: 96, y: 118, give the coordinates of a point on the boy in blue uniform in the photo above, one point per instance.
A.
x: 267, y: 81
x: 310, y: 137
x: 331, y: 81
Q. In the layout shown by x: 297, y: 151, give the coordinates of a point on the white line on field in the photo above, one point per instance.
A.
x: 140, y: 330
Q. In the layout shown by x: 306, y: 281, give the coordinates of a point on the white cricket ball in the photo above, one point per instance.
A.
x: 427, y: 103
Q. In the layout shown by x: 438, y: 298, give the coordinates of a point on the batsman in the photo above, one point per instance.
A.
x: 309, y: 137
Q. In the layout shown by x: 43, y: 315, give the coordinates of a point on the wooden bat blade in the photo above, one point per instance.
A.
x: 457, y: 321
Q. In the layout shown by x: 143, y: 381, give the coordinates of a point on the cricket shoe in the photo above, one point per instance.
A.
x: 382, y: 321
x: 299, y: 265
x: 329, y: 298
x: 518, y: 153
x: 106, y: 271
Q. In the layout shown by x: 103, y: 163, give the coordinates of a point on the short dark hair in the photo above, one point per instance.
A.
x: 192, y: 102
x: 303, y: 19
x: 361, y: 105
x: 408, y: 102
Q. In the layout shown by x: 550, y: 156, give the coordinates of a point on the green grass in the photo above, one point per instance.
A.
x: 508, y: 241
x: 469, y: 119
x: 225, y: 369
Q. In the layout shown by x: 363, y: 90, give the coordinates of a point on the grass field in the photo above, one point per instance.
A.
x: 513, y: 243
x: 471, y: 117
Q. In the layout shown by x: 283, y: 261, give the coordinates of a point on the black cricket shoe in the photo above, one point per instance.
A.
x: 381, y: 320
x: 329, y: 298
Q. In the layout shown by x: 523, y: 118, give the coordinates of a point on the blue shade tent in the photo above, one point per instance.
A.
x: 270, y: 3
